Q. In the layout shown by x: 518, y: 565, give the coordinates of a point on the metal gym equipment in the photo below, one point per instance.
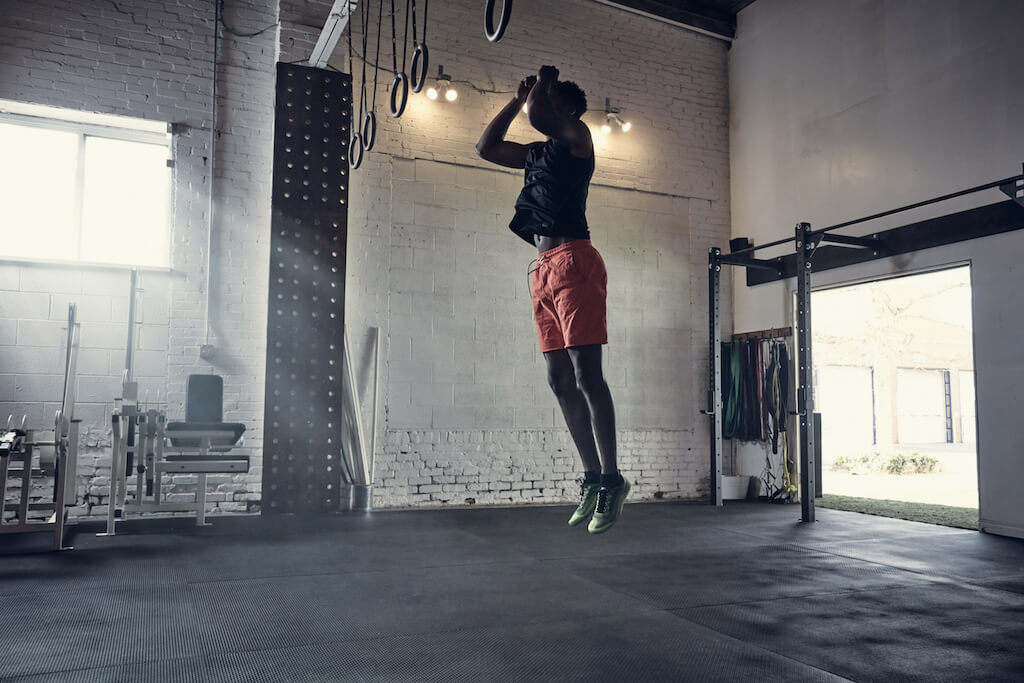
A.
x: 810, y: 256
x: 44, y: 454
x: 356, y: 451
x: 302, y: 471
x: 145, y: 442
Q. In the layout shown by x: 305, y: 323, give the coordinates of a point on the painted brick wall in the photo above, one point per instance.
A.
x: 33, y: 316
x: 465, y: 412
x: 150, y: 61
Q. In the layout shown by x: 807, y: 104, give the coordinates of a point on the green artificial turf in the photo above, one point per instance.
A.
x: 946, y: 515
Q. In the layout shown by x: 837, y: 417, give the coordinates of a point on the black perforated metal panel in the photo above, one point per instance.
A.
x: 302, y: 425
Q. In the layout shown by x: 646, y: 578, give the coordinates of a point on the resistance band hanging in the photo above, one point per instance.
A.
x: 420, y: 54
x: 369, y: 130
x: 400, y: 86
x: 494, y: 33
x: 355, y: 142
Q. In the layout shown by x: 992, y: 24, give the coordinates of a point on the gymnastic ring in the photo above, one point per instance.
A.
x: 355, y: 151
x: 369, y: 131
x: 418, y: 70
x: 399, y: 90
x: 494, y: 35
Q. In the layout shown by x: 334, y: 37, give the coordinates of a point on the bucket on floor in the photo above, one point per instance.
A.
x: 735, y: 487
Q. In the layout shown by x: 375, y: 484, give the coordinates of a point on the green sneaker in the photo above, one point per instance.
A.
x: 609, y: 507
x: 588, y: 501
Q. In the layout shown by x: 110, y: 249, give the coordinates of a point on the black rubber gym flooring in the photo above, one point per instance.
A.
x: 675, y: 592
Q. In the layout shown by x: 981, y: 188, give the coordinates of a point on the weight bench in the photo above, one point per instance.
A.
x: 202, y: 444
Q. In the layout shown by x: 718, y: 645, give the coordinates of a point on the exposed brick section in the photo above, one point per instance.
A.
x: 503, y: 467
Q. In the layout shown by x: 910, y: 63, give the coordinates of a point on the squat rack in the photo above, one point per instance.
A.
x: 809, y: 256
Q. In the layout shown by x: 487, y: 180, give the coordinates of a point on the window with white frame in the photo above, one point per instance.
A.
x: 83, y: 187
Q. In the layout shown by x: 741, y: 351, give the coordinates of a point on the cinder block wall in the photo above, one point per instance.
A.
x: 465, y: 414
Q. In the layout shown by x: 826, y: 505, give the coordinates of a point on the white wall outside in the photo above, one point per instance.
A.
x: 844, y: 395
x: 921, y: 409
x: 968, y: 416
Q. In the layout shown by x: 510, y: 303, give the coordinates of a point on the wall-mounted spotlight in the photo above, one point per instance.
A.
x: 443, y: 87
x: 612, y: 115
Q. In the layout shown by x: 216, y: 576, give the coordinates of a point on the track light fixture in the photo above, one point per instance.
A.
x: 612, y: 115
x: 443, y: 88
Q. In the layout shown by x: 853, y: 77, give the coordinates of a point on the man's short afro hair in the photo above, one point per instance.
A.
x: 572, y: 94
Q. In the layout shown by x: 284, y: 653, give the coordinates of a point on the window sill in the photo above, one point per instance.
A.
x: 86, y: 265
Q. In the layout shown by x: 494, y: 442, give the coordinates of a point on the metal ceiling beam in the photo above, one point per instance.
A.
x: 335, y: 25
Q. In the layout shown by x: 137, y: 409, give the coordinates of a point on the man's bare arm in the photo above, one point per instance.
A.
x: 549, y: 121
x: 492, y: 145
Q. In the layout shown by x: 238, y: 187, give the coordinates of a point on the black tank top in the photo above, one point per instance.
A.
x: 553, y: 202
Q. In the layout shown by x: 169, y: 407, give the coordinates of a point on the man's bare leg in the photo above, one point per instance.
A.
x: 586, y: 361
x: 562, y: 378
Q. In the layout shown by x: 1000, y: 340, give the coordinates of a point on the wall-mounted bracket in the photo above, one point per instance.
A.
x: 773, y: 265
x: 849, y: 240
x: 1014, y: 190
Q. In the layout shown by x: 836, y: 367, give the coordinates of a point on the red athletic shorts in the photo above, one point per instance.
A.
x: 569, y: 286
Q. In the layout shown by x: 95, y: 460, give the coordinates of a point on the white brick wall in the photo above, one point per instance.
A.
x: 463, y: 400
x: 32, y: 351
x: 463, y: 390
x: 135, y: 59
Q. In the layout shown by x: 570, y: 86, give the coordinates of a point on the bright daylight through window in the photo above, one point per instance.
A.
x: 83, y: 187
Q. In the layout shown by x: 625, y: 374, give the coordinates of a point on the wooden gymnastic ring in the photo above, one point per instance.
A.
x: 418, y: 70
x: 368, y: 134
x: 399, y: 90
x: 495, y: 34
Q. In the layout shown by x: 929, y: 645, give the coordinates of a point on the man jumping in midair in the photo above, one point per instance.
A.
x: 568, y: 282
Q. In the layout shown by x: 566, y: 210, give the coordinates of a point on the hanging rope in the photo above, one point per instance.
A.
x: 400, y: 86
x: 494, y: 33
x: 370, y: 121
x: 420, y: 54
x: 355, y: 142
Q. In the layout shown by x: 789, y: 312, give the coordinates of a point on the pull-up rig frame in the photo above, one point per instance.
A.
x: 809, y: 257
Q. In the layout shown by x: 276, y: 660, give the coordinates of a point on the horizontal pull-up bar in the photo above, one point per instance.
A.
x: 936, y: 200
x: 916, y: 205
